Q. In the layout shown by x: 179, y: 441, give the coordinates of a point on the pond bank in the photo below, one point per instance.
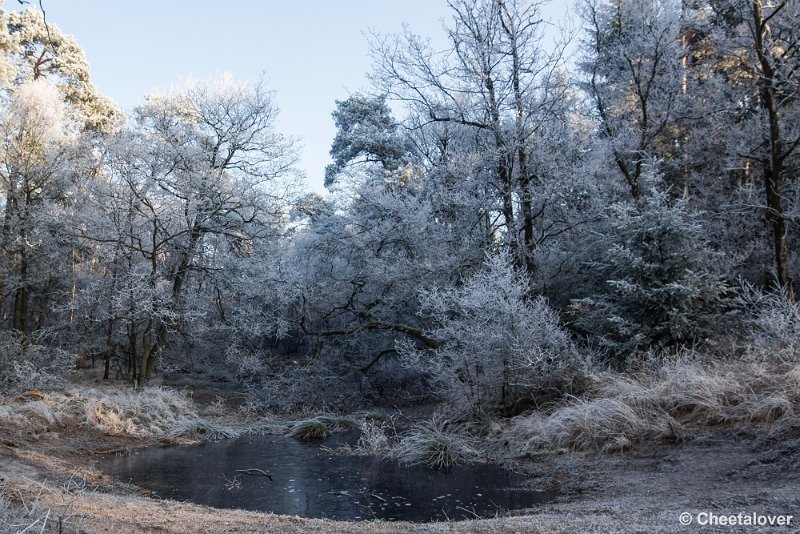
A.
x: 601, y: 493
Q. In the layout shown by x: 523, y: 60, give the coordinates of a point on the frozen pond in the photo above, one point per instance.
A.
x: 309, y: 481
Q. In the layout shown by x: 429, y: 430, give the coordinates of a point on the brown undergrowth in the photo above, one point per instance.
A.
x: 680, y: 399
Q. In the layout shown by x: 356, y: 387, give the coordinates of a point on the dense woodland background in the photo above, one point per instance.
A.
x: 513, y: 218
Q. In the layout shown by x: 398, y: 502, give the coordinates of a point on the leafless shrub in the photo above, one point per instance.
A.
x: 26, y: 517
x: 374, y: 439
x: 496, y: 344
x: 55, y: 513
x: 26, y: 366
x: 774, y: 325
x: 297, y: 387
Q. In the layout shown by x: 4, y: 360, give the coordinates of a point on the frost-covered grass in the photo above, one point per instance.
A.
x: 373, y: 439
x: 321, y: 426
x: 607, y: 424
x: 437, y: 443
x: 152, y: 411
x: 203, y: 429
x: 679, y: 399
x: 267, y: 424
x: 377, y: 438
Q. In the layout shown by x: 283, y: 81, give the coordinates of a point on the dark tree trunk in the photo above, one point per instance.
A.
x: 773, y: 164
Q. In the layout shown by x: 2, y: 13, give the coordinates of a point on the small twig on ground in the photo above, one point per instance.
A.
x: 468, y: 511
x: 232, y: 484
x: 44, y: 523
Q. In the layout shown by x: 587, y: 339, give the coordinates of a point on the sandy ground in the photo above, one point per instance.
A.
x: 624, y: 493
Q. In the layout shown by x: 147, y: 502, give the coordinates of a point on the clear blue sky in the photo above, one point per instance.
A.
x: 312, y: 52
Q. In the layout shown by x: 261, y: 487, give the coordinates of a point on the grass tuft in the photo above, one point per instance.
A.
x: 373, y: 439
x: 607, y: 424
x: 321, y: 426
x: 437, y: 443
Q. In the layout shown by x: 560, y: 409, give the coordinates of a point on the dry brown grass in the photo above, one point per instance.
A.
x: 321, y: 426
x: 679, y: 398
x: 149, y: 412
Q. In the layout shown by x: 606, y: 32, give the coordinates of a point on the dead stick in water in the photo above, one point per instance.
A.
x: 254, y: 472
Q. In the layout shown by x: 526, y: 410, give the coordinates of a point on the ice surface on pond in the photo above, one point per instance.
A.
x: 309, y: 481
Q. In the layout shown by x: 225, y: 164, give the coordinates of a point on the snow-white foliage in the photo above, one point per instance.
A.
x: 358, y: 268
x: 38, y: 110
x: 7, y: 70
x: 195, y: 194
x: 366, y: 133
x: 496, y: 341
x: 245, y: 363
x: 32, y: 49
x: 182, y: 227
x: 631, y: 68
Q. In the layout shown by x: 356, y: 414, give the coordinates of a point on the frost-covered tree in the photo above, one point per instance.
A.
x: 34, y: 49
x: 769, y: 34
x: 347, y: 279
x: 740, y: 137
x: 658, y: 283
x: 199, y: 177
x: 361, y: 267
x: 36, y: 152
x: 633, y: 78
x: 497, y: 86
x: 48, y: 108
x: 366, y: 133
x: 495, y: 343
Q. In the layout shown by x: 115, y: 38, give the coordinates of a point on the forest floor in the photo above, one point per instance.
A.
x: 723, y: 472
